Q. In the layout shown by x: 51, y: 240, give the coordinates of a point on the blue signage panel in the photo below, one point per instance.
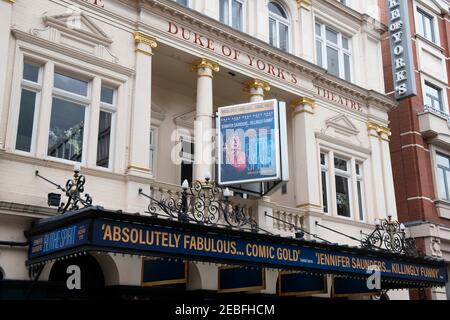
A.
x: 157, y: 272
x: 238, y: 279
x: 249, y: 143
x: 298, y: 284
x: 344, y: 287
x: 150, y: 239
x: 59, y: 239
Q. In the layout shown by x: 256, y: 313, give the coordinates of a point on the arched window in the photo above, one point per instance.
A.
x: 278, y: 26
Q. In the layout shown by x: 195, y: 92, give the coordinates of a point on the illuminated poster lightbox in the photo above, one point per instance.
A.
x: 249, y: 143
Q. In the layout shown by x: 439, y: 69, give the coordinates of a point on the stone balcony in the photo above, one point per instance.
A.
x: 435, y: 126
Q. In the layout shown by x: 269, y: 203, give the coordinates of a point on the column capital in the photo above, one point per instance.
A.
x: 140, y: 37
x: 379, y: 131
x: 204, y: 63
x: 256, y: 84
x: 305, y: 4
x: 303, y: 104
x: 10, y: 1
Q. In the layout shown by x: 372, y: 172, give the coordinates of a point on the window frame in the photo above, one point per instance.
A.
x: 421, y: 14
x: 109, y: 108
x: 446, y: 169
x: 440, y: 98
x: 37, y: 88
x: 325, y: 169
x: 352, y: 179
x: 86, y: 101
x: 347, y: 175
x: 285, y: 21
x: 342, y: 52
x: 229, y: 16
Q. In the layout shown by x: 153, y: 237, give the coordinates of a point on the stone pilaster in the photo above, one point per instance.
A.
x: 307, y: 186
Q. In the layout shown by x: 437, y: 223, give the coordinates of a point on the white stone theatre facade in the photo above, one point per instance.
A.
x: 127, y: 92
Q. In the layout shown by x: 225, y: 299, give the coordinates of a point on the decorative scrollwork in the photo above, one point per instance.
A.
x: 390, y: 235
x: 74, y: 190
x: 200, y: 202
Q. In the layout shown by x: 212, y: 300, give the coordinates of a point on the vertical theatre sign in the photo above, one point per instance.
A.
x: 249, y: 143
x: 401, y: 49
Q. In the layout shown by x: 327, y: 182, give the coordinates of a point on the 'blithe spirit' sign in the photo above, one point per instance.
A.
x: 249, y: 143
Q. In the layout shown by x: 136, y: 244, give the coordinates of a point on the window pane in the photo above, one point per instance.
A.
x: 66, y: 130
x: 442, y: 161
x: 237, y: 15
x: 332, y: 36
x: 319, y: 53
x: 107, y: 95
x: 446, y: 190
x: 183, y: 2
x: 104, y: 139
x: 275, y: 8
x: 71, y: 84
x: 347, y: 67
x: 284, y: 37
x: 345, y: 43
x: 340, y: 164
x: 324, y: 192
x: 333, y: 61
x: 318, y: 29
x: 272, y: 32
x: 26, y: 118
x: 360, y: 200
x: 224, y: 11
x: 342, y: 196
x: 442, y: 189
x: 322, y: 159
x: 31, y: 72
x: 358, y: 169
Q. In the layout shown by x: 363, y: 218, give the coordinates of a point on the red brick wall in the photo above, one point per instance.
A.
x: 411, y: 162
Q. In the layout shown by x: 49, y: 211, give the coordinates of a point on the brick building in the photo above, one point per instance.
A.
x: 420, y: 141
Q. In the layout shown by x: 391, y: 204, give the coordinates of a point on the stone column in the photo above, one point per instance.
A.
x: 139, y: 158
x: 256, y: 88
x: 203, y: 127
x: 307, y: 172
x: 379, y: 201
x: 6, y: 7
x: 138, y: 171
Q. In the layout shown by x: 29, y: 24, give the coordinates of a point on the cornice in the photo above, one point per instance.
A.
x: 43, y: 43
x: 170, y: 9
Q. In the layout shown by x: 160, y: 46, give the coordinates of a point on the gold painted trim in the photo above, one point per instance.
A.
x: 145, y: 52
x: 10, y: 1
x: 132, y: 166
x: 301, y: 293
x: 309, y: 205
x: 205, y: 63
x: 302, y: 101
x: 243, y: 289
x: 167, y: 282
x: 256, y: 84
x: 380, y: 129
x: 305, y: 4
x: 140, y: 37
